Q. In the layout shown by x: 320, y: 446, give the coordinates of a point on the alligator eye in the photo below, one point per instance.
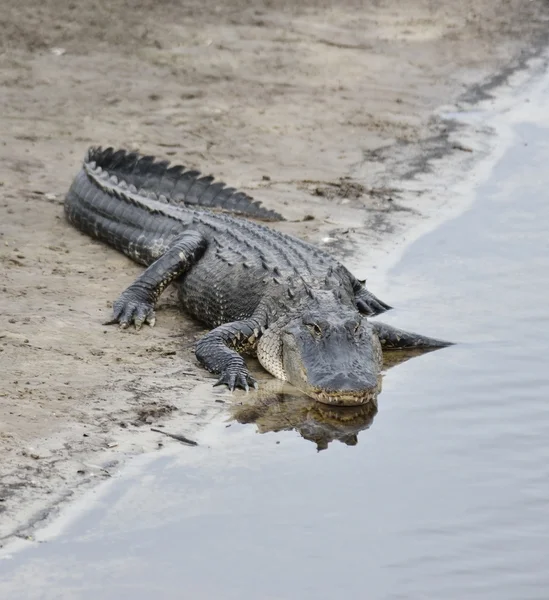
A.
x: 355, y: 326
x: 315, y: 328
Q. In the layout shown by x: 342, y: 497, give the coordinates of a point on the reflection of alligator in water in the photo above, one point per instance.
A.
x: 277, y: 408
x: 316, y: 422
x: 293, y: 305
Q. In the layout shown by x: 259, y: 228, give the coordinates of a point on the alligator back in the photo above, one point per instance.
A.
x: 243, y: 262
x: 176, y: 183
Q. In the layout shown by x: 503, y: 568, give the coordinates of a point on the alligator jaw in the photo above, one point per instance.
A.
x: 346, y: 398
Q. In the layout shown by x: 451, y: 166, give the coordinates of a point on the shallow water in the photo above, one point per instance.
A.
x: 445, y: 495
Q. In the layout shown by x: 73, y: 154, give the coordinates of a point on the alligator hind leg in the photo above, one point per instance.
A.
x: 392, y: 338
x: 136, y: 303
x: 218, y: 351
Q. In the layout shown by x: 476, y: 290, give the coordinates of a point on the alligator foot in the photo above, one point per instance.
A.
x: 369, y: 305
x: 136, y: 304
x: 237, y: 377
x: 132, y: 308
x: 218, y: 352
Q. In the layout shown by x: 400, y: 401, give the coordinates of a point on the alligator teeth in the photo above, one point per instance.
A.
x: 113, y: 179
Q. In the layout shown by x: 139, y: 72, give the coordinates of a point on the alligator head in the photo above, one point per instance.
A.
x: 329, y: 351
x: 334, y: 357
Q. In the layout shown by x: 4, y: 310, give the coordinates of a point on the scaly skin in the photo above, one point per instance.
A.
x: 260, y: 291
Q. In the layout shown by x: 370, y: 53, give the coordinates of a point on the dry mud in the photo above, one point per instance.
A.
x: 319, y: 109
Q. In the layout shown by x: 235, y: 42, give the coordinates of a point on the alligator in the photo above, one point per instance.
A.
x: 259, y: 291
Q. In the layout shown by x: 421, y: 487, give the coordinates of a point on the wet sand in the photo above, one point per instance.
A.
x: 325, y: 111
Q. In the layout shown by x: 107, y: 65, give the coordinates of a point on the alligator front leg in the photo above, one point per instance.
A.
x: 137, y: 302
x: 218, y: 351
x: 392, y: 338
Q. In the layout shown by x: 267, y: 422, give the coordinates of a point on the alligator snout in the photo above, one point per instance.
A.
x: 347, y: 389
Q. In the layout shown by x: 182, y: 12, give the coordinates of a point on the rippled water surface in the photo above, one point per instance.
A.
x: 444, y: 495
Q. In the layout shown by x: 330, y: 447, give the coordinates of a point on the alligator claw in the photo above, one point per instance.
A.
x: 237, y: 379
x: 127, y: 311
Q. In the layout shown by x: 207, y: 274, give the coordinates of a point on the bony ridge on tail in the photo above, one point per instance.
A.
x: 260, y: 291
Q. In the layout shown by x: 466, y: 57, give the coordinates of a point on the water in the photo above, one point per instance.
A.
x: 445, y: 495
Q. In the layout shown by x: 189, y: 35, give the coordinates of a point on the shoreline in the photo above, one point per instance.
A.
x: 479, y: 134
x: 40, y: 476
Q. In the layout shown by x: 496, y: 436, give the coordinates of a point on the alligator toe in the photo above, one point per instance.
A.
x: 236, y: 378
x: 127, y: 311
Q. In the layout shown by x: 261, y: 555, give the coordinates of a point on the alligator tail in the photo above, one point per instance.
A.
x: 176, y: 183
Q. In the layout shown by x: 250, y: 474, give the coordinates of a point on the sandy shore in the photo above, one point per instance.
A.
x: 322, y: 112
